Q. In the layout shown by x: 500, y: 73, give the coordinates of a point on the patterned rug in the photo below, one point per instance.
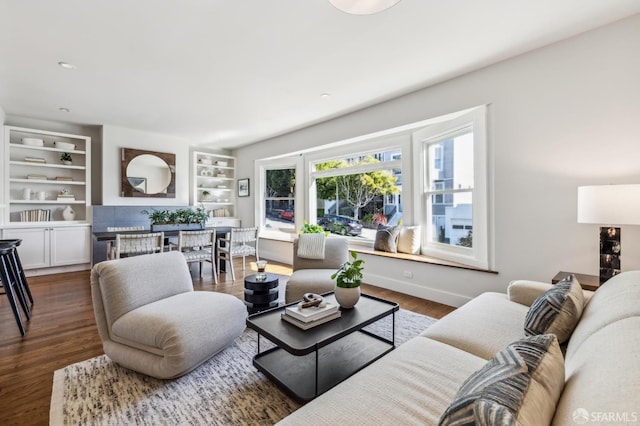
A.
x: 226, y: 390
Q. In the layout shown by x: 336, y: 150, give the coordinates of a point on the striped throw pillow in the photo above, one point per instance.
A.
x: 556, y: 311
x: 520, y: 385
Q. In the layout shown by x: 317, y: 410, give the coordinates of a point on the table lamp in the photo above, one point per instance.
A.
x: 609, y: 205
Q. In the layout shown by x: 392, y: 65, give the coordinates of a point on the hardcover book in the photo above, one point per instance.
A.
x: 310, y: 324
x: 312, y: 313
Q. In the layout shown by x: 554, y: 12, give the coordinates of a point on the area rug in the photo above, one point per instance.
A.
x: 226, y: 390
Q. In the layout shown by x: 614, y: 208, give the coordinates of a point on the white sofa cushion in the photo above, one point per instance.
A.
x: 482, y: 326
x: 409, y: 239
x: 614, y: 300
x: 519, y: 385
x: 603, y: 377
x: 412, y: 385
x: 556, y: 311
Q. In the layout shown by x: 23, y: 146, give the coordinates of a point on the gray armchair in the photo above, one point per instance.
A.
x: 314, y: 276
x: 150, y: 320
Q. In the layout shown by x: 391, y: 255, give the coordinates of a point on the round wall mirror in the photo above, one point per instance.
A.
x: 147, y: 173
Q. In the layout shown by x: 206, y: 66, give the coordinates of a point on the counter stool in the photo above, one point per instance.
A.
x: 14, y: 281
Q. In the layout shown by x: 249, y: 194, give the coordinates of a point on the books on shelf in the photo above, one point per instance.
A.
x: 35, y: 160
x: 64, y: 178
x: 35, y: 215
x: 66, y: 197
x: 305, y: 325
x: 37, y: 177
x: 312, y: 313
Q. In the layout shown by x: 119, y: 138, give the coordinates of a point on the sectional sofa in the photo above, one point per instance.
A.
x: 417, y: 382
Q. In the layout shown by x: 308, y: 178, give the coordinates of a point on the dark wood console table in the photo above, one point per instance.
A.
x: 587, y: 282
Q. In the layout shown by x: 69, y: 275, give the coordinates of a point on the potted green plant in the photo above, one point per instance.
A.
x: 308, y: 228
x: 65, y: 157
x: 205, y: 195
x: 179, y: 219
x: 348, y: 279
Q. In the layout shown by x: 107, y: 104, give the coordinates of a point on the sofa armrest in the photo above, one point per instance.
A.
x: 525, y: 292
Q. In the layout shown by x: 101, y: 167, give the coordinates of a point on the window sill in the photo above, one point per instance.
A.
x: 418, y: 258
x: 359, y: 247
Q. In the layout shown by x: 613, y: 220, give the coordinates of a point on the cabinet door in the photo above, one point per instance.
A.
x: 34, y: 250
x: 70, y: 245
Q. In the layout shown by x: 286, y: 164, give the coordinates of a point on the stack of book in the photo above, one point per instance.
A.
x: 37, y: 177
x: 66, y: 197
x: 64, y: 178
x: 35, y: 160
x: 306, y: 318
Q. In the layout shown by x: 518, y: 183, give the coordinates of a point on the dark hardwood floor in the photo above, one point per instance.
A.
x: 62, y: 331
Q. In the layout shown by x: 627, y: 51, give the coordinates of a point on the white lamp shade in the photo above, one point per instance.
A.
x: 609, y: 204
x: 363, y: 7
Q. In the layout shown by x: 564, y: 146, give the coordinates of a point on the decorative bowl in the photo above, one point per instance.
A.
x: 32, y: 142
x: 64, y: 145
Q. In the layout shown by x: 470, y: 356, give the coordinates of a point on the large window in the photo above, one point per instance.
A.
x: 355, y: 193
x: 279, y: 199
x: 278, y: 212
x: 453, y: 207
x: 432, y: 173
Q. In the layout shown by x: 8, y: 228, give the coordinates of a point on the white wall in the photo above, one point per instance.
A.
x: 559, y: 117
x: 115, y: 138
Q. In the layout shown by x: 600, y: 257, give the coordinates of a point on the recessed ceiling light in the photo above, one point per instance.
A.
x: 67, y: 65
x: 63, y: 109
x: 325, y: 95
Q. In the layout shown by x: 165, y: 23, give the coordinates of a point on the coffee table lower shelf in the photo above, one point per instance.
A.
x: 307, y: 376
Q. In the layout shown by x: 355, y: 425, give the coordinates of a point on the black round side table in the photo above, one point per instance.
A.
x: 260, y: 295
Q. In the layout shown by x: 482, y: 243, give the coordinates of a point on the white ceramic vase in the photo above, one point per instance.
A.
x: 347, y: 297
x: 68, y: 213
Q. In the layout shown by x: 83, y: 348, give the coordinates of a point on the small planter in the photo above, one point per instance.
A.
x: 347, y: 297
x: 176, y: 227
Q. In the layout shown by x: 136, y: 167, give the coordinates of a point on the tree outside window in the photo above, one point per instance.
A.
x: 362, y: 187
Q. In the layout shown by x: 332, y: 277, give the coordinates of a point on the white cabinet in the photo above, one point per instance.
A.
x: 70, y: 245
x: 44, y: 247
x: 44, y: 172
x: 46, y: 197
x: 213, y: 186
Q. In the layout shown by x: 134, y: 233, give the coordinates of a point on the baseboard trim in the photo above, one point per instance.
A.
x: 57, y: 270
x: 412, y: 289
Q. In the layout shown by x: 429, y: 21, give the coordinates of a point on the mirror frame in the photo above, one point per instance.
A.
x: 128, y: 155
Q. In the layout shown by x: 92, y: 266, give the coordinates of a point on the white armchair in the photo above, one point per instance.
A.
x: 150, y: 320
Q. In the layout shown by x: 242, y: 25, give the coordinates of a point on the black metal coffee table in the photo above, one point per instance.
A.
x: 307, y: 363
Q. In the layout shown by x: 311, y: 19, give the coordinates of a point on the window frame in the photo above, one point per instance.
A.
x: 365, y: 146
x: 478, y: 255
x: 261, y: 167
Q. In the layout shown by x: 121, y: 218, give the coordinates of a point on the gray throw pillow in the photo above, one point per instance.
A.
x: 520, y: 385
x: 556, y: 311
x: 387, y: 239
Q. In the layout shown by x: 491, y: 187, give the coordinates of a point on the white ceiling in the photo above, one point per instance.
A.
x: 225, y: 73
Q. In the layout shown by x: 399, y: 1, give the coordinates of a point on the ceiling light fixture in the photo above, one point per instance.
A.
x: 363, y: 7
x: 63, y: 109
x: 325, y: 95
x: 67, y: 65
